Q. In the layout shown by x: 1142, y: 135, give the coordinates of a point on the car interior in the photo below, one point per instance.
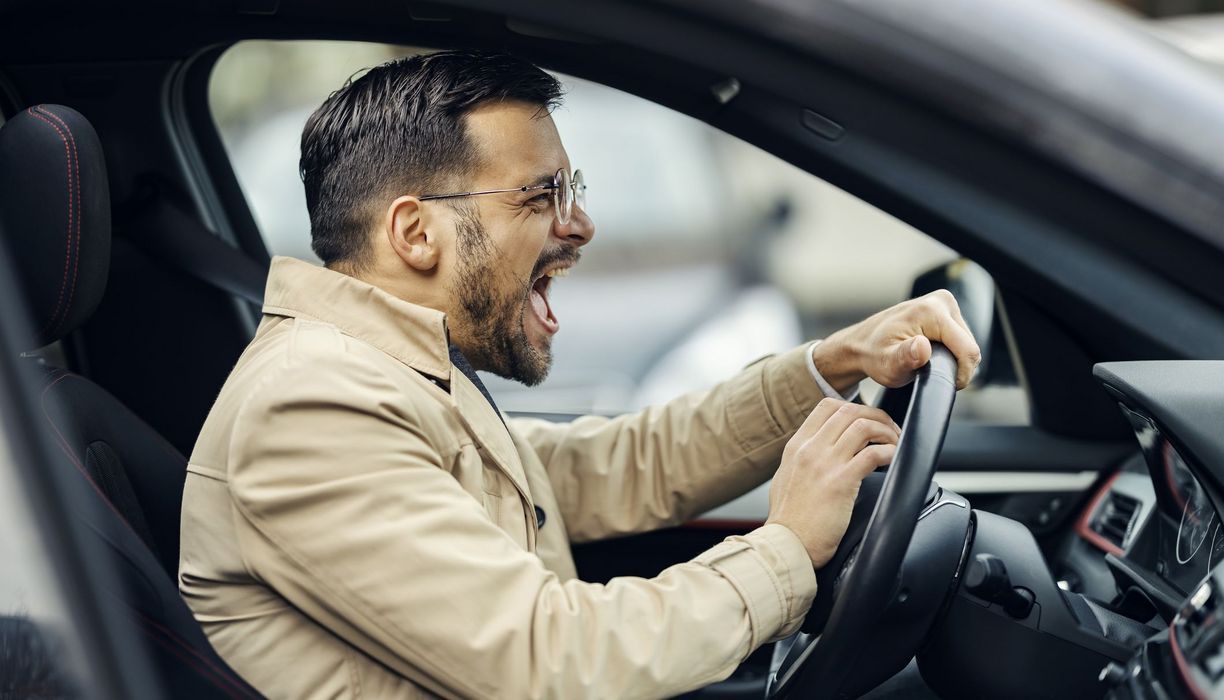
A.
x: 1077, y: 555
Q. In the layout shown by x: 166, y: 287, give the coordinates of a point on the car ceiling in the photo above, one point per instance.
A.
x: 1094, y: 214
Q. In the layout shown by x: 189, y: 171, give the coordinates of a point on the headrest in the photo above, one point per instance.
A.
x: 55, y: 216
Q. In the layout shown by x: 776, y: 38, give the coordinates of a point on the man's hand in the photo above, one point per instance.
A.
x: 822, y: 467
x: 892, y: 344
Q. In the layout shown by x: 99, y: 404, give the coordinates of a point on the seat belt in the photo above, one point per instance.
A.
x: 170, y: 235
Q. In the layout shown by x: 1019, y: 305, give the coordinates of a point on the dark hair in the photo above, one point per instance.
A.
x: 399, y: 129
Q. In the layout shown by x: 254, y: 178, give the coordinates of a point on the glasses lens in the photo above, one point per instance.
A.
x: 563, y: 195
x: 579, y: 190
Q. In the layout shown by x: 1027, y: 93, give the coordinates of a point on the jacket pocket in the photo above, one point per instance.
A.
x: 505, y: 507
x: 492, y: 506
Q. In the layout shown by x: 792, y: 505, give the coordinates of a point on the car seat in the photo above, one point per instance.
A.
x: 55, y: 214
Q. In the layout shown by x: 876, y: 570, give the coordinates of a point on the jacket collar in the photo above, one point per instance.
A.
x: 412, y: 334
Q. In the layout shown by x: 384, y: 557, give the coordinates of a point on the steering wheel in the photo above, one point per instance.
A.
x: 866, y: 583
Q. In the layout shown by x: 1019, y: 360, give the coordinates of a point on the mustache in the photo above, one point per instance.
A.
x: 549, y: 258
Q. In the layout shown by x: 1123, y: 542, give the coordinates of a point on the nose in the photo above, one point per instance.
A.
x: 578, y: 231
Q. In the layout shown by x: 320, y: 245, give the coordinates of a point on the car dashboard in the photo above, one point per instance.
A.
x: 1157, y: 523
x: 1162, y: 524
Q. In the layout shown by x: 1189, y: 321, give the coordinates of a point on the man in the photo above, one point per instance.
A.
x: 360, y: 520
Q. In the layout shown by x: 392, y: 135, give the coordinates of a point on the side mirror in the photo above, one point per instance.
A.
x: 974, y: 290
x: 975, y: 293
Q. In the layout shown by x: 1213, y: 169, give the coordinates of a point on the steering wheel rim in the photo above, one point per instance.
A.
x: 824, y: 661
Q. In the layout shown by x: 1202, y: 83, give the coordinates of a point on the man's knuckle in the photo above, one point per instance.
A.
x: 807, y: 452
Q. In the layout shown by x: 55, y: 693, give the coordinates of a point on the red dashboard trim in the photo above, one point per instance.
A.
x: 1182, y: 667
x: 1086, y: 532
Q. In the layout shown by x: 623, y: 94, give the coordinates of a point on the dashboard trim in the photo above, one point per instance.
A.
x: 1084, y: 529
x: 753, y: 507
x: 1182, y: 667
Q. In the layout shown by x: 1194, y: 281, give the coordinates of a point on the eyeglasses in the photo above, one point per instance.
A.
x: 566, y: 191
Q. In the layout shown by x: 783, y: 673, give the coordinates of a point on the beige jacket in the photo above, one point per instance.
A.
x: 351, y: 528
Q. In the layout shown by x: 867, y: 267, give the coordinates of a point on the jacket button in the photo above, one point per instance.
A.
x: 540, y: 518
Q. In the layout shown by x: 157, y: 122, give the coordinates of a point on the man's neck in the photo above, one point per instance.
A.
x: 460, y: 362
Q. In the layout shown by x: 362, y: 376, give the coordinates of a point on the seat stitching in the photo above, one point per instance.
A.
x: 182, y: 644
x: 68, y: 236
x: 178, y: 653
x: 223, y: 673
x: 76, y: 165
x: 184, y: 651
x: 63, y: 443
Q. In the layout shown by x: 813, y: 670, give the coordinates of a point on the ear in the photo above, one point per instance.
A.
x: 406, y: 231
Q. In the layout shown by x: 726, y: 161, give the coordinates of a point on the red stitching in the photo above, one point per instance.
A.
x: 220, y: 673
x: 178, y: 653
x: 68, y: 238
x: 63, y: 443
x: 219, y: 682
x: 201, y: 662
x: 76, y: 165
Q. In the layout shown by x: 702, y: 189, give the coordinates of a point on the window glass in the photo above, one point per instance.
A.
x: 709, y: 252
x: 39, y: 653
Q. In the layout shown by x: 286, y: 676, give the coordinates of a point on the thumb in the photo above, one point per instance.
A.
x: 916, y: 352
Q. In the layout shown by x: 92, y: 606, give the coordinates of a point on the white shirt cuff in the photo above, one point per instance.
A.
x: 825, y: 387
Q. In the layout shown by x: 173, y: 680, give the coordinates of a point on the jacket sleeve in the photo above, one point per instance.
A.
x: 345, y: 508
x: 666, y: 464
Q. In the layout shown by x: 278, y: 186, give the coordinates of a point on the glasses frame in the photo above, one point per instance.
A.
x: 561, y: 181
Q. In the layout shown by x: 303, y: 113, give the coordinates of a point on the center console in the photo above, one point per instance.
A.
x: 1011, y: 632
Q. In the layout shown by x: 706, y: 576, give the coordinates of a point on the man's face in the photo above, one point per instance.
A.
x: 509, y: 245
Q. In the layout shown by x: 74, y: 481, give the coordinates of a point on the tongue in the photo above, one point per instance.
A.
x: 539, y: 304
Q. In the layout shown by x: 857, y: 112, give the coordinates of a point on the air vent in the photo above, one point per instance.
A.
x: 1115, y: 517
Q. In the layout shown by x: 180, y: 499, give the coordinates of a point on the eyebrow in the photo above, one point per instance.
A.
x: 543, y: 179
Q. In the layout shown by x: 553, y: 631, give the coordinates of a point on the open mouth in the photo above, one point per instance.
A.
x: 539, y: 297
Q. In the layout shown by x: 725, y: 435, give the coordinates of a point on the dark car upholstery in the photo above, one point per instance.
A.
x: 55, y: 209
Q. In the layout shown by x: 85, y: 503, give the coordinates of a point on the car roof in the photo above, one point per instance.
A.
x: 1085, y: 83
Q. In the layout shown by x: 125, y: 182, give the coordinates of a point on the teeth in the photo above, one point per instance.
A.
x: 559, y: 272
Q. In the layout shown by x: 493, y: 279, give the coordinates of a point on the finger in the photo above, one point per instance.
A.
x: 953, y: 331
x: 968, y: 355
x: 954, y: 307
x: 863, y: 432
x: 818, y: 417
x: 871, y: 458
x: 840, y: 421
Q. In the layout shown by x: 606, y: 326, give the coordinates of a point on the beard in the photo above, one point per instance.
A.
x: 493, y: 336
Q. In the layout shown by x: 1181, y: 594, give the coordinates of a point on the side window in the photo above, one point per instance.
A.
x: 708, y: 253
